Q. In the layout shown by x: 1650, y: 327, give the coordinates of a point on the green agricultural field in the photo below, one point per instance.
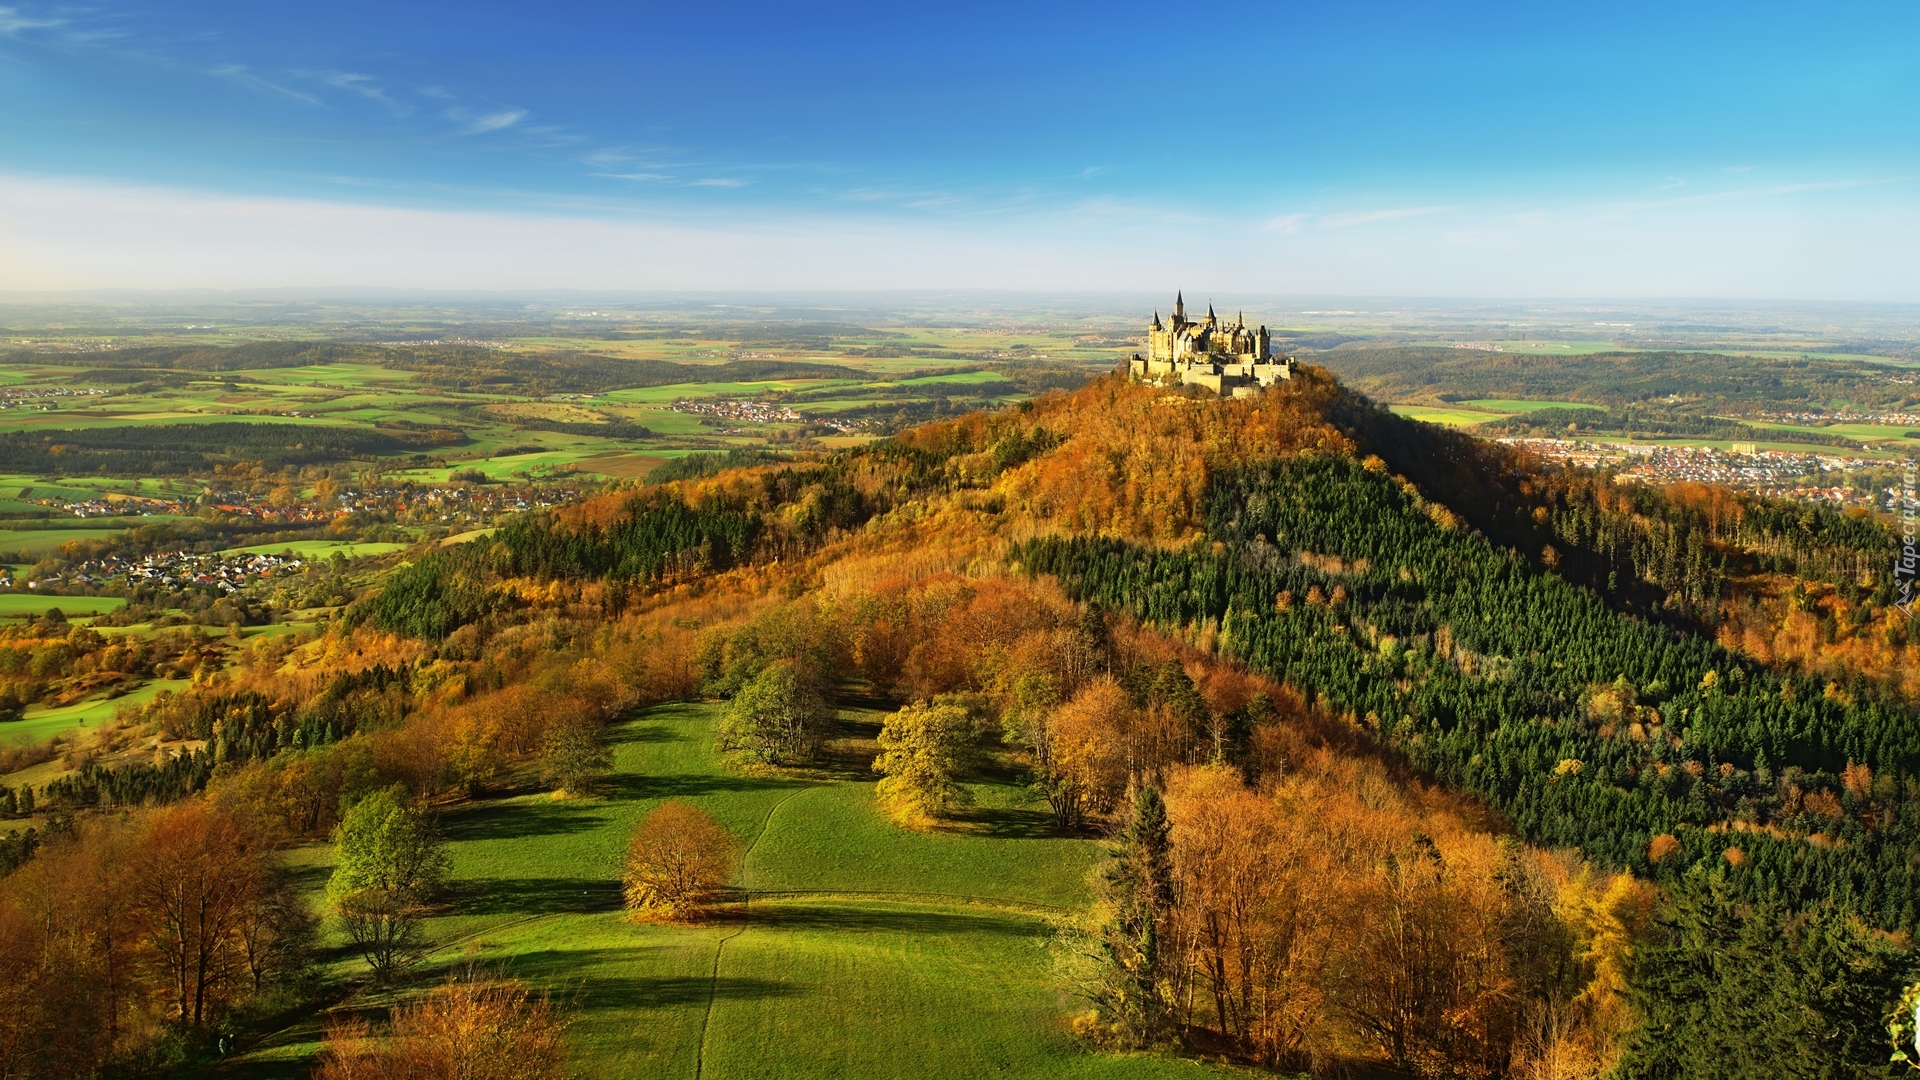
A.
x: 1449, y: 417
x: 1861, y: 432
x: 34, y: 605
x: 38, y: 542
x: 1506, y: 405
x: 751, y: 391
x: 320, y: 549
x: 967, y: 378
x: 862, y: 950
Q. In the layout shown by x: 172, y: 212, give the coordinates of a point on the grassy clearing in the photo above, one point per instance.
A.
x: 1449, y: 417
x: 863, y: 951
x: 31, y: 605
x: 38, y: 542
x: 42, y: 725
x: 1508, y: 405
x: 1862, y: 432
x: 321, y: 549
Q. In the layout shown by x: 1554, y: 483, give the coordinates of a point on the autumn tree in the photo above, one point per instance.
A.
x: 679, y: 859
x: 390, y: 860
x: 923, y: 748
x: 466, y: 1029
x: 574, y: 752
x: 196, y: 875
x: 1083, y: 767
x: 779, y: 716
x: 1251, y: 924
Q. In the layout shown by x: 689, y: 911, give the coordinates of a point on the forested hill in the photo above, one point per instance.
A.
x: 1709, y: 380
x: 1541, y: 638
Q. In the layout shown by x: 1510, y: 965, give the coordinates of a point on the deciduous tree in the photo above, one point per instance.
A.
x: 923, y: 748
x: 678, y: 861
x: 390, y: 859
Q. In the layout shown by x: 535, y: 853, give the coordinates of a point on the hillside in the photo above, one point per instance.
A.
x: 1231, y: 690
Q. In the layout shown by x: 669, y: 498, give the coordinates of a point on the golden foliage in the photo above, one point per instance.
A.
x: 679, y: 860
x: 463, y: 1030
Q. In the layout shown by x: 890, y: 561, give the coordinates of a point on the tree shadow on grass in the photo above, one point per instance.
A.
x: 637, y: 991
x: 575, y: 974
x: 643, y: 733
x: 866, y: 920
x: 307, y: 878
x: 533, y: 896
x: 498, y: 820
x: 687, y: 786
x: 1003, y: 823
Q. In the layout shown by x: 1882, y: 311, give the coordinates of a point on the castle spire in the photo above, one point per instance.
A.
x: 1210, y: 317
x: 1156, y: 318
x: 1179, y: 306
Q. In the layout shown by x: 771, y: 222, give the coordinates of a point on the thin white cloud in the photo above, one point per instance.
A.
x: 1285, y: 223
x: 75, y: 233
x: 365, y: 86
x: 498, y: 121
x: 720, y: 181
x: 1369, y: 217
x: 13, y: 22
x: 238, y: 73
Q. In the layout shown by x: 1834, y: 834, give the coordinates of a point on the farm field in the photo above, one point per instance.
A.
x: 26, y: 605
x: 37, y: 542
x: 1433, y: 414
x: 860, y: 949
x: 1509, y: 405
x: 321, y: 549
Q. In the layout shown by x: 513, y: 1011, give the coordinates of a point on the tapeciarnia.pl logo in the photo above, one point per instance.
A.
x: 1908, y: 560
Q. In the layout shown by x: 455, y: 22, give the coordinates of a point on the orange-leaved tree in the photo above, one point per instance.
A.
x: 680, y: 859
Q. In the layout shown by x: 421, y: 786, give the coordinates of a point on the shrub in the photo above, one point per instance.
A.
x: 679, y: 860
x: 474, y: 1030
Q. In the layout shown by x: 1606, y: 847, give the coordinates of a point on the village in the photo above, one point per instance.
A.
x: 1773, y: 473
x: 448, y: 502
x: 228, y: 572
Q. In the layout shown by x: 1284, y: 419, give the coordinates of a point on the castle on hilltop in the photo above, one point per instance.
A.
x: 1231, y: 361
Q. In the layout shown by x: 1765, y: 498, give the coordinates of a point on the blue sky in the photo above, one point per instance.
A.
x: 1421, y: 149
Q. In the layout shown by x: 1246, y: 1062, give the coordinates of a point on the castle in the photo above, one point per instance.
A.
x: 1228, y: 360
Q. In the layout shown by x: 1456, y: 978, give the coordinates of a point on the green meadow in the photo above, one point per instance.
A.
x: 34, y: 605
x: 41, y: 541
x: 1451, y: 417
x: 1508, y: 405
x: 854, y: 948
x: 320, y: 549
x: 41, y: 724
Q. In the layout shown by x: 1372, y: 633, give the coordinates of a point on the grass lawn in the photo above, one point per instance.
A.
x: 861, y: 950
x: 1449, y: 417
x: 34, y: 605
x: 1509, y: 405
x: 41, y: 541
x: 320, y: 549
